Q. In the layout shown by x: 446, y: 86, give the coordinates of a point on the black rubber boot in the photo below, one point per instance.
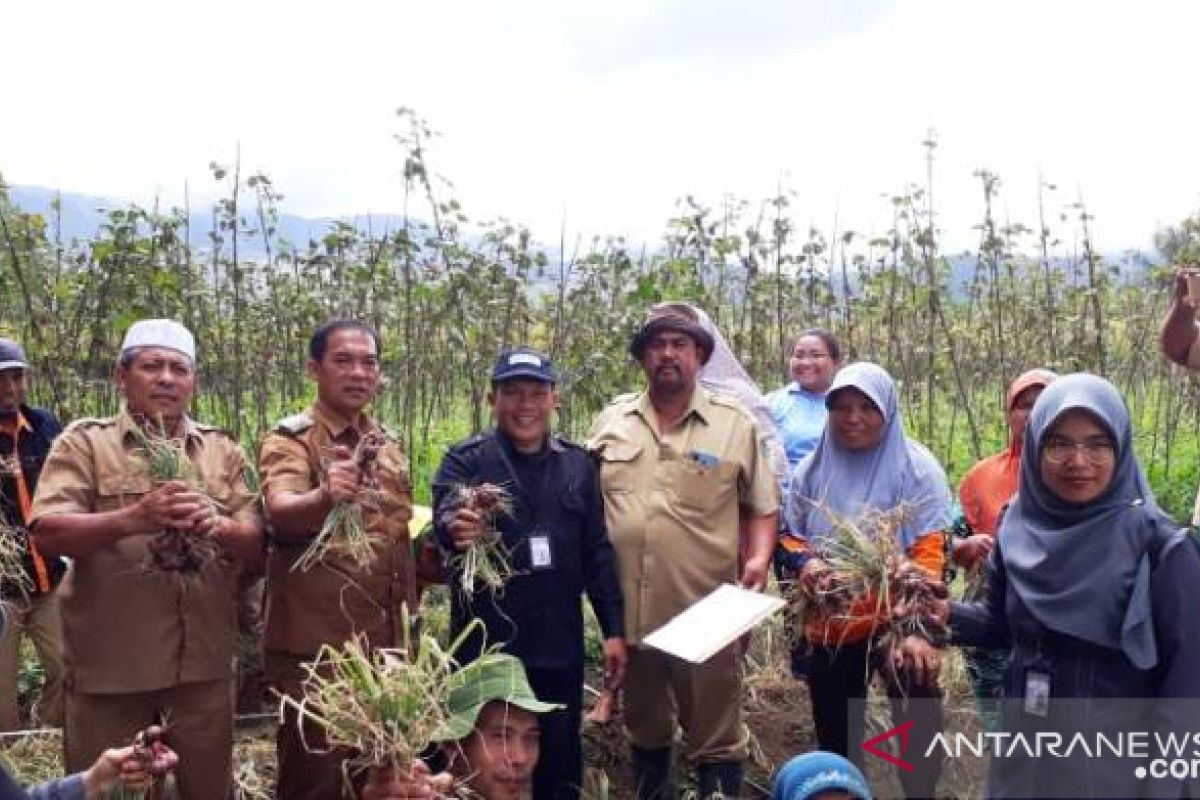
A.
x: 652, y: 773
x: 720, y: 778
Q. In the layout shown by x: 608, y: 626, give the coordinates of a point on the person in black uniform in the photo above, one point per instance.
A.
x: 559, y: 549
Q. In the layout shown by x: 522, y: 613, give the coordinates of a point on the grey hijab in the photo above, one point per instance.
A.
x: 1084, y: 570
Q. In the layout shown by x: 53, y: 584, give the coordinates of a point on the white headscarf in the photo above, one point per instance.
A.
x: 724, y: 374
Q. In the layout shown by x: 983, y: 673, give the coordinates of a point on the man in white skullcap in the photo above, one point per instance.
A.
x: 148, y: 636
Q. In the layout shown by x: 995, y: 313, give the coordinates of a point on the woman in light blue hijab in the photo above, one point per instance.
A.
x: 865, y: 463
x: 1094, y: 589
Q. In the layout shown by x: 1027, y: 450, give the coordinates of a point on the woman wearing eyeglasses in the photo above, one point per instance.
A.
x: 984, y: 491
x: 799, y: 408
x: 800, y: 414
x: 1093, y: 588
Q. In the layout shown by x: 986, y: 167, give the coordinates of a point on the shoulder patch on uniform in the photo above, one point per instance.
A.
x: 627, y: 401
x: 90, y: 422
x: 297, y: 423
x: 217, y: 429
x: 730, y: 401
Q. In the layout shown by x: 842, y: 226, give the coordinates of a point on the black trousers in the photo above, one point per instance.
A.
x: 838, y: 676
x: 559, y: 771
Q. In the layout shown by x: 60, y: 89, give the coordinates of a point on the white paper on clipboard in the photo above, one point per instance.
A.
x: 704, y: 629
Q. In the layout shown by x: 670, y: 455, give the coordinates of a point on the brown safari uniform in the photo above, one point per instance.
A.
x: 672, y: 506
x: 139, y: 643
x: 336, y: 598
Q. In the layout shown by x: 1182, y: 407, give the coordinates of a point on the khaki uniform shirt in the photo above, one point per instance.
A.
x: 125, y: 628
x: 336, y: 598
x: 672, y: 500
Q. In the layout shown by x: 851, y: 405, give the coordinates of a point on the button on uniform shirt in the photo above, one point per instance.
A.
x: 672, y: 500
x: 337, y: 598
x: 800, y: 417
x: 125, y: 628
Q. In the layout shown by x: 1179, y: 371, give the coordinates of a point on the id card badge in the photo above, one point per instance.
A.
x: 1037, y: 692
x: 541, y: 556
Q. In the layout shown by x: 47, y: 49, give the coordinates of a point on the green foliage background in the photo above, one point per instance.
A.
x: 448, y: 292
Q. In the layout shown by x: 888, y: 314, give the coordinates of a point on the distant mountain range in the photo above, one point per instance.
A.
x: 82, y: 215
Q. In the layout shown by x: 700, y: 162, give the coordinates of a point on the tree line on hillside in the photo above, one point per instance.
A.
x: 448, y: 292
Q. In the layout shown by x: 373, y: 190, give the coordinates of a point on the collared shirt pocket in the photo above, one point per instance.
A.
x: 618, y: 468
x: 701, y: 486
x: 119, y: 490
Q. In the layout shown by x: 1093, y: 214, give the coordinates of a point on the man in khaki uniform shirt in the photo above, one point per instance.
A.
x: 682, y: 469
x: 307, y: 465
x: 141, y: 643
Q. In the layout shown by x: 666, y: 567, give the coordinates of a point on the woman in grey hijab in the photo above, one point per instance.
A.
x: 1092, y: 586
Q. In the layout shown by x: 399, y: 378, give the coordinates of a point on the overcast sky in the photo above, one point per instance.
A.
x: 607, y: 111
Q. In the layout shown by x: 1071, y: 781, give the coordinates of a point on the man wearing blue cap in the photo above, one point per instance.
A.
x: 26, y: 434
x: 558, y: 546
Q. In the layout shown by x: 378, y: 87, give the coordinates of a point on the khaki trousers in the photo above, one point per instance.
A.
x: 36, y: 617
x: 304, y: 772
x: 199, y: 728
x: 705, y: 698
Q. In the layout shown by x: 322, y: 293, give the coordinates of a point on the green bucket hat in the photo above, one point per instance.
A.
x: 495, y: 676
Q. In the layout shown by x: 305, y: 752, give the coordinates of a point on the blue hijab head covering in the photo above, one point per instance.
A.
x: 1084, y: 570
x: 808, y: 774
x: 895, y: 472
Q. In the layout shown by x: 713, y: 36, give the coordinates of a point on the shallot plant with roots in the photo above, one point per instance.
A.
x: 153, y: 753
x: 13, y: 575
x: 171, y: 550
x: 866, y: 564
x: 386, y: 705
x: 345, y: 528
x: 485, y: 564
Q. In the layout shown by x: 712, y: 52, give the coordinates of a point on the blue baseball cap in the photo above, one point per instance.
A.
x: 11, y: 355
x: 523, y: 362
x: 811, y: 773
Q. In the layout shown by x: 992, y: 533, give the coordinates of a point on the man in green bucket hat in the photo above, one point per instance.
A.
x: 490, y: 739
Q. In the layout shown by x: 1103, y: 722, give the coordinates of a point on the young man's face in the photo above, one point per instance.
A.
x: 501, y: 753
x: 522, y: 407
x: 12, y: 391
x: 347, y: 375
x: 159, y: 382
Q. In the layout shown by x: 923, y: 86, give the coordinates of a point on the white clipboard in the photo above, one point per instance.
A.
x: 708, y: 626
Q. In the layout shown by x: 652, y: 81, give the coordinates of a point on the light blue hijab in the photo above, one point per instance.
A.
x: 897, y: 471
x: 1084, y: 570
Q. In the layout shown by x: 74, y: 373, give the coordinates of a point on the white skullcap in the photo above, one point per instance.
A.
x: 160, y: 333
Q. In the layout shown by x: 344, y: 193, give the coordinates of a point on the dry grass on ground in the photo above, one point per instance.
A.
x: 777, y: 712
